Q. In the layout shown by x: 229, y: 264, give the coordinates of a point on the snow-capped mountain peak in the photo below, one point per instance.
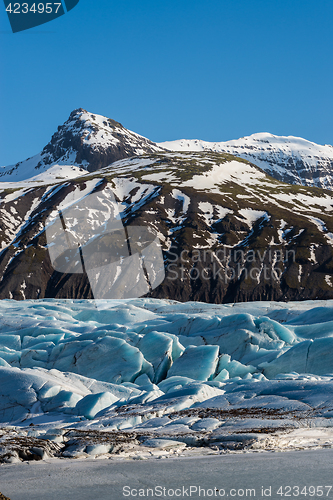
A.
x: 97, y: 130
x: 85, y: 141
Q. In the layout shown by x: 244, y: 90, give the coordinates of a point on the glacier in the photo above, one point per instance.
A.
x: 89, y: 378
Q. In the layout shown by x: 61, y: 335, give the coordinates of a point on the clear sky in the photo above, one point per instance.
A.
x: 171, y: 69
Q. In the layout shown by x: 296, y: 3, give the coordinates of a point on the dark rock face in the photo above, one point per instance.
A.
x: 242, y: 238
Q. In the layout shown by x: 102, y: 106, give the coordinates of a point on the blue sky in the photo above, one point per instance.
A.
x: 171, y: 69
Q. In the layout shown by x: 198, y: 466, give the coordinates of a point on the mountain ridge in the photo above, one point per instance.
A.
x: 291, y: 159
x: 87, y: 142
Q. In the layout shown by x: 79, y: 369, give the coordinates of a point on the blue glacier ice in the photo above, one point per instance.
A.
x: 130, y: 363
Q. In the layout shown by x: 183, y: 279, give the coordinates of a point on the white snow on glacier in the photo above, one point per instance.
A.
x: 199, y: 374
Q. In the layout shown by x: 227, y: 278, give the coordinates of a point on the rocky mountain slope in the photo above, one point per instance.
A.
x: 290, y: 159
x: 229, y: 232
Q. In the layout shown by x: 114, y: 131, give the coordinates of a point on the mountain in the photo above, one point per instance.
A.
x: 289, y: 159
x: 85, y: 142
x: 229, y: 231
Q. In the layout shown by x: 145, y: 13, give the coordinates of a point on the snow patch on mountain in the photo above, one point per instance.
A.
x: 231, y: 171
x: 29, y: 171
x: 251, y: 216
x: 212, y: 213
